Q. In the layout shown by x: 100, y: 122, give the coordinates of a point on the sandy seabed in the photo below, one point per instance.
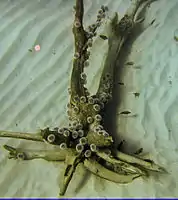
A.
x: 33, y: 94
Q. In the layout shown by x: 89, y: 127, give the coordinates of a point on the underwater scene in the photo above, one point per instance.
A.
x: 88, y: 98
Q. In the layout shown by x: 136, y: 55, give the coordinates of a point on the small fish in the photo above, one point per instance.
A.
x: 103, y: 37
x: 130, y: 63
x: 125, y: 112
x: 148, y: 160
x: 152, y: 21
x: 120, y: 145
x: 121, y: 83
x: 137, y: 94
x: 139, y: 151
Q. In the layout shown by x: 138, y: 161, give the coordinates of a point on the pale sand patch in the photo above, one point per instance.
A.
x: 33, y: 94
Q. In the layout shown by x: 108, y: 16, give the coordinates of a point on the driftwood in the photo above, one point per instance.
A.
x: 85, y: 141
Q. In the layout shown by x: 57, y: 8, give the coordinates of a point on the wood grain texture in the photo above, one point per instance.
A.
x: 33, y: 93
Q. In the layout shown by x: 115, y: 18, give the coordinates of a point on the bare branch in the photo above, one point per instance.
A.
x: 151, y: 166
x: 30, y: 154
x: 97, y: 169
x: 18, y: 135
x: 71, y: 163
x: 119, y: 32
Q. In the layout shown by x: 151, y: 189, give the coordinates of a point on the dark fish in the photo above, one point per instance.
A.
x: 139, y: 151
x: 125, y: 112
x: 152, y: 21
x: 120, y: 145
x: 103, y: 37
x: 137, y: 94
x: 148, y: 160
x: 121, y: 83
x: 130, y: 63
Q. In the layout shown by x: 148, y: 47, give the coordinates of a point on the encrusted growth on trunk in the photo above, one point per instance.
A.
x: 85, y: 141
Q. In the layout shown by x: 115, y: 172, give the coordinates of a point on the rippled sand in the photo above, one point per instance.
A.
x: 33, y: 94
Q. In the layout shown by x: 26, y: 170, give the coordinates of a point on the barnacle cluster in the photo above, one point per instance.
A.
x: 85, y: 140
